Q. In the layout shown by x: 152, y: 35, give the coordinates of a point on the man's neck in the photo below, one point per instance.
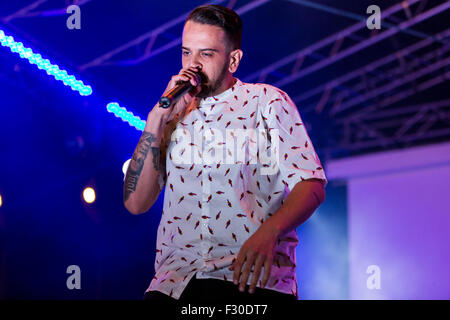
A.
x: 227, y: 84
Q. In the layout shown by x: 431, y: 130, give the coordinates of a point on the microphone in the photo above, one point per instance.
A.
x: 174, y: 94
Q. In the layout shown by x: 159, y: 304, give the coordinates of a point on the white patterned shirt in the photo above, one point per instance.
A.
x: 231, y: 161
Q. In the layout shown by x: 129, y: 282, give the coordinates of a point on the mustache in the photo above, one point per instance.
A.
x: 204, y: 78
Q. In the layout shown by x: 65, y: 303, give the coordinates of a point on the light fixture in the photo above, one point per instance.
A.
x: 44, y: 64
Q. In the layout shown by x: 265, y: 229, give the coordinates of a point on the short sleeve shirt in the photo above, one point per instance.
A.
x: 230, y: 163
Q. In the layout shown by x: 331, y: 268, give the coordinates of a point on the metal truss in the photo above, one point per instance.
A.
x: 396, y: 126
x: 147, y: 41
x: 375, y: 125
x: 30, y: 11
x: 429, y: 120
x: 361, y: 74
x: 409, y: 116
x: 392, y: 79
x: 411, y: 90
x: 351, y: 110
x: 360, y: 109
x: 296, y: 59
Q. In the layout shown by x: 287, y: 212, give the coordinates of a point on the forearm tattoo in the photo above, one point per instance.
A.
x: 137, y: 162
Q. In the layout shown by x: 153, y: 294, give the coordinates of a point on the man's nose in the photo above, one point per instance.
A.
x: 196, y: 65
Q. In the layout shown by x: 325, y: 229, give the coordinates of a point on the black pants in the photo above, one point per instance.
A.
x: 219, y: 291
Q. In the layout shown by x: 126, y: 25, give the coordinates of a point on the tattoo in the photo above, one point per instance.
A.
x: 137, y: 162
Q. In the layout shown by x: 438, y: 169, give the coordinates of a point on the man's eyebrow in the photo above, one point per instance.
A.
x: 205, y: 49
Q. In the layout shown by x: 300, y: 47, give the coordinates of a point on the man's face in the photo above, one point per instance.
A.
x: 206, y: 46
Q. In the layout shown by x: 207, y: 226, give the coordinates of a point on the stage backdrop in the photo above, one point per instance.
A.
x: 398, y: 223
x: 322, y: 252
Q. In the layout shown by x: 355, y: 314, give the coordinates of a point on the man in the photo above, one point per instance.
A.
x: 228, y: 228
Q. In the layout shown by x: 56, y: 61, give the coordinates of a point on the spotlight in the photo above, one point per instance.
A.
x: 1, y: 201
x: 125, y: 168
x: 89, y: 195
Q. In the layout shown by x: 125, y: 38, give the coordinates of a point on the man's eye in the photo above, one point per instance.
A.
x: 185, y: 53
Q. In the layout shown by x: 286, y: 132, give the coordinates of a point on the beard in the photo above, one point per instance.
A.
x: 209, y: 88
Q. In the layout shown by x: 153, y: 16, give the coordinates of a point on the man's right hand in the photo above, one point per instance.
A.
x: 188, y: 74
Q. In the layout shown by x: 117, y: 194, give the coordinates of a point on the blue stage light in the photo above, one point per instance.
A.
x: 44, y: 64
x: 126, y: 116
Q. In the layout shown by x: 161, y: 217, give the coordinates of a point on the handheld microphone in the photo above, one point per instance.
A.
x: 177, y: 92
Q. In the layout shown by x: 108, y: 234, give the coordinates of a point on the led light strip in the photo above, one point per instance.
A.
x: 44, y: 64
x: 126, y: 116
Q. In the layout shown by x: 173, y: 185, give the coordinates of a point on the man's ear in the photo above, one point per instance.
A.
x: 235, y: 59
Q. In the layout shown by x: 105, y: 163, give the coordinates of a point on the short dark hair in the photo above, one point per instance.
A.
x: 220, y: 16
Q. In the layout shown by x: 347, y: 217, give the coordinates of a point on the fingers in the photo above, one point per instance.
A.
x: 256, y: 272
x: 249, y: 261
x: 243, y: 265
x: 189, y: 74
x: 185, y: 75
x: 243, y: 268
x: 237, y: 267
x: 267, y: 268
